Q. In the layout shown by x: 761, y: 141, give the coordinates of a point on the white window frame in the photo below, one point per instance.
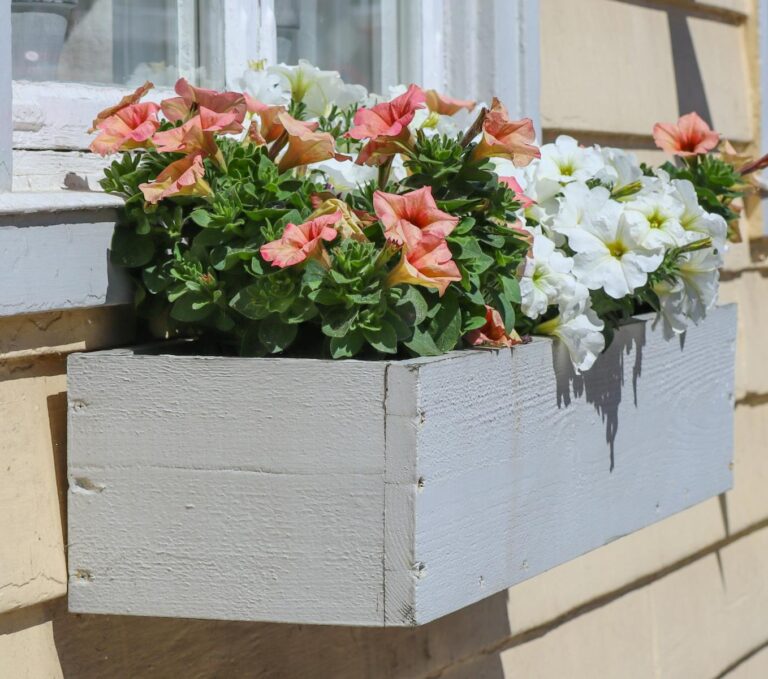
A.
x: 466, y: 48
x: 762, y: 31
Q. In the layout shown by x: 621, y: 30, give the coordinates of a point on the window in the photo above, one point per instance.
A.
x: 71, y: 58
x: 341, y: 35
x: 122, y: 42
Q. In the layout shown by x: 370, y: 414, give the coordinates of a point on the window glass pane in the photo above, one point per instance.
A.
x: 339, y: 35
x: 121, y: 42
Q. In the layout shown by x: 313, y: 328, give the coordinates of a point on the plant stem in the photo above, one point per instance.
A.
x: 384, y: 170
x: 474, y: 128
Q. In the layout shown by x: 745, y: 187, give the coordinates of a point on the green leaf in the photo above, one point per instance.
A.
x: 347, y: 346
x: 422, y: 344
x: 446, y: 325
x: 201, y: 217
x: 129, y: 249
x: 192, y: 307
x: 302, y: 310
x: 275, y: 335
x: 250, y: 345
x: 155, y: 279
x: 225, y: 257
x: 511, y: 287
x: 251, y: 302
x: 418, y: 306
x: 384, y: 339
x: 338, y: 321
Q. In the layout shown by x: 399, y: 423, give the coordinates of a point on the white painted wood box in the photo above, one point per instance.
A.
x: 379, y: 493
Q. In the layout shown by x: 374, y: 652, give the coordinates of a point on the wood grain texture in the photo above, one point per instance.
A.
x: 58, y: 266
x: 379, y: 493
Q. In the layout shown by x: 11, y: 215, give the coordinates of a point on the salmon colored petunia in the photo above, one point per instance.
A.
x: 196, y: 135
x: 350, y: 225
x: 690, y: 137
x: 305, y: 145
x: 130, y: 128
x: 407, y: 217
x: 427, y: 262
x: 183, y: 177
x: 446, y: 106
x: 127, y: 100
x: 389, y: 118
x: 505, y: 138
x: 386, y: 125
x: 302, y: 241
x: 493, y: 333
x: 191, y: 99
x: 520, y: 196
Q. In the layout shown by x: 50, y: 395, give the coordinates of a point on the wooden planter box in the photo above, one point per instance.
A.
x: 379, y: 493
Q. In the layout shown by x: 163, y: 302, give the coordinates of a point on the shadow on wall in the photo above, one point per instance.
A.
x: 603, y: 385
x: 123, y: 647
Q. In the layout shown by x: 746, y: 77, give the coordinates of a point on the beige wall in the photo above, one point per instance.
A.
x: 684, y: 599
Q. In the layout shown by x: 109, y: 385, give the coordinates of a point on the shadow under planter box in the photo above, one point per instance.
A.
x: 379, y: 493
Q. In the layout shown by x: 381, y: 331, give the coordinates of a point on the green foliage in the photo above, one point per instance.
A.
x: 200, y: 273
x: 717, y: 183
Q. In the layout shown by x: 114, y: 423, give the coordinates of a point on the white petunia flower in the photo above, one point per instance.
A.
x: 547, y: 276
x: 692, y: 295
x: 699, y: 276
x: 318, y: 90
x: 611, y: 252
x: 579, y: 328
x: 344, y: 175
x: 671, y: 314
x: 565, y: 161
x: 696, y: 221
x: 661, y: 212
x: 621, y: 169
x: 263, y: 86
x: 577, y: 205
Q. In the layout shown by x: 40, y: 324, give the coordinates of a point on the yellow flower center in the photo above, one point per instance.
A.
x: 656, y: 220
x: 257, y: 64
x: 617, y: 249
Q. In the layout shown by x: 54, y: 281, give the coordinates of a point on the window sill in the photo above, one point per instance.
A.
x: 37, y: 202
x: 54, y: 252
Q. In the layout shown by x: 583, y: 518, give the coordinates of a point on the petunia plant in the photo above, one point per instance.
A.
x: 305, y: 216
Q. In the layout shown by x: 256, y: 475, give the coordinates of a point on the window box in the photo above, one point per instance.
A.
x: 379, y: 493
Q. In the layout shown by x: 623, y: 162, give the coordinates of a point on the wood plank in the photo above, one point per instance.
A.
x: 62, y: 265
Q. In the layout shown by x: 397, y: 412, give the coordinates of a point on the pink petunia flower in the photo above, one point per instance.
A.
x: 302, y: 241
x: 305, y: 145
x: 407, y: 217
x: 130, y: 128
x: 197, y: 134
x: 386, y: 125
x: 126, y: 101
x: 505, y: 138
x: 690, y: 137
x: 183, y: 177
x: 493, y: 333
x: 191, y: 99
x: 447, y: 106
x: 427, y: 262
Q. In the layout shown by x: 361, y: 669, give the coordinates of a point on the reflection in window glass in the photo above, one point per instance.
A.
x: 339, y: 35
x: 122, y: 42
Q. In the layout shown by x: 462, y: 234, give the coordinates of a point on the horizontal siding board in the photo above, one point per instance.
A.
x: 657, y: 64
